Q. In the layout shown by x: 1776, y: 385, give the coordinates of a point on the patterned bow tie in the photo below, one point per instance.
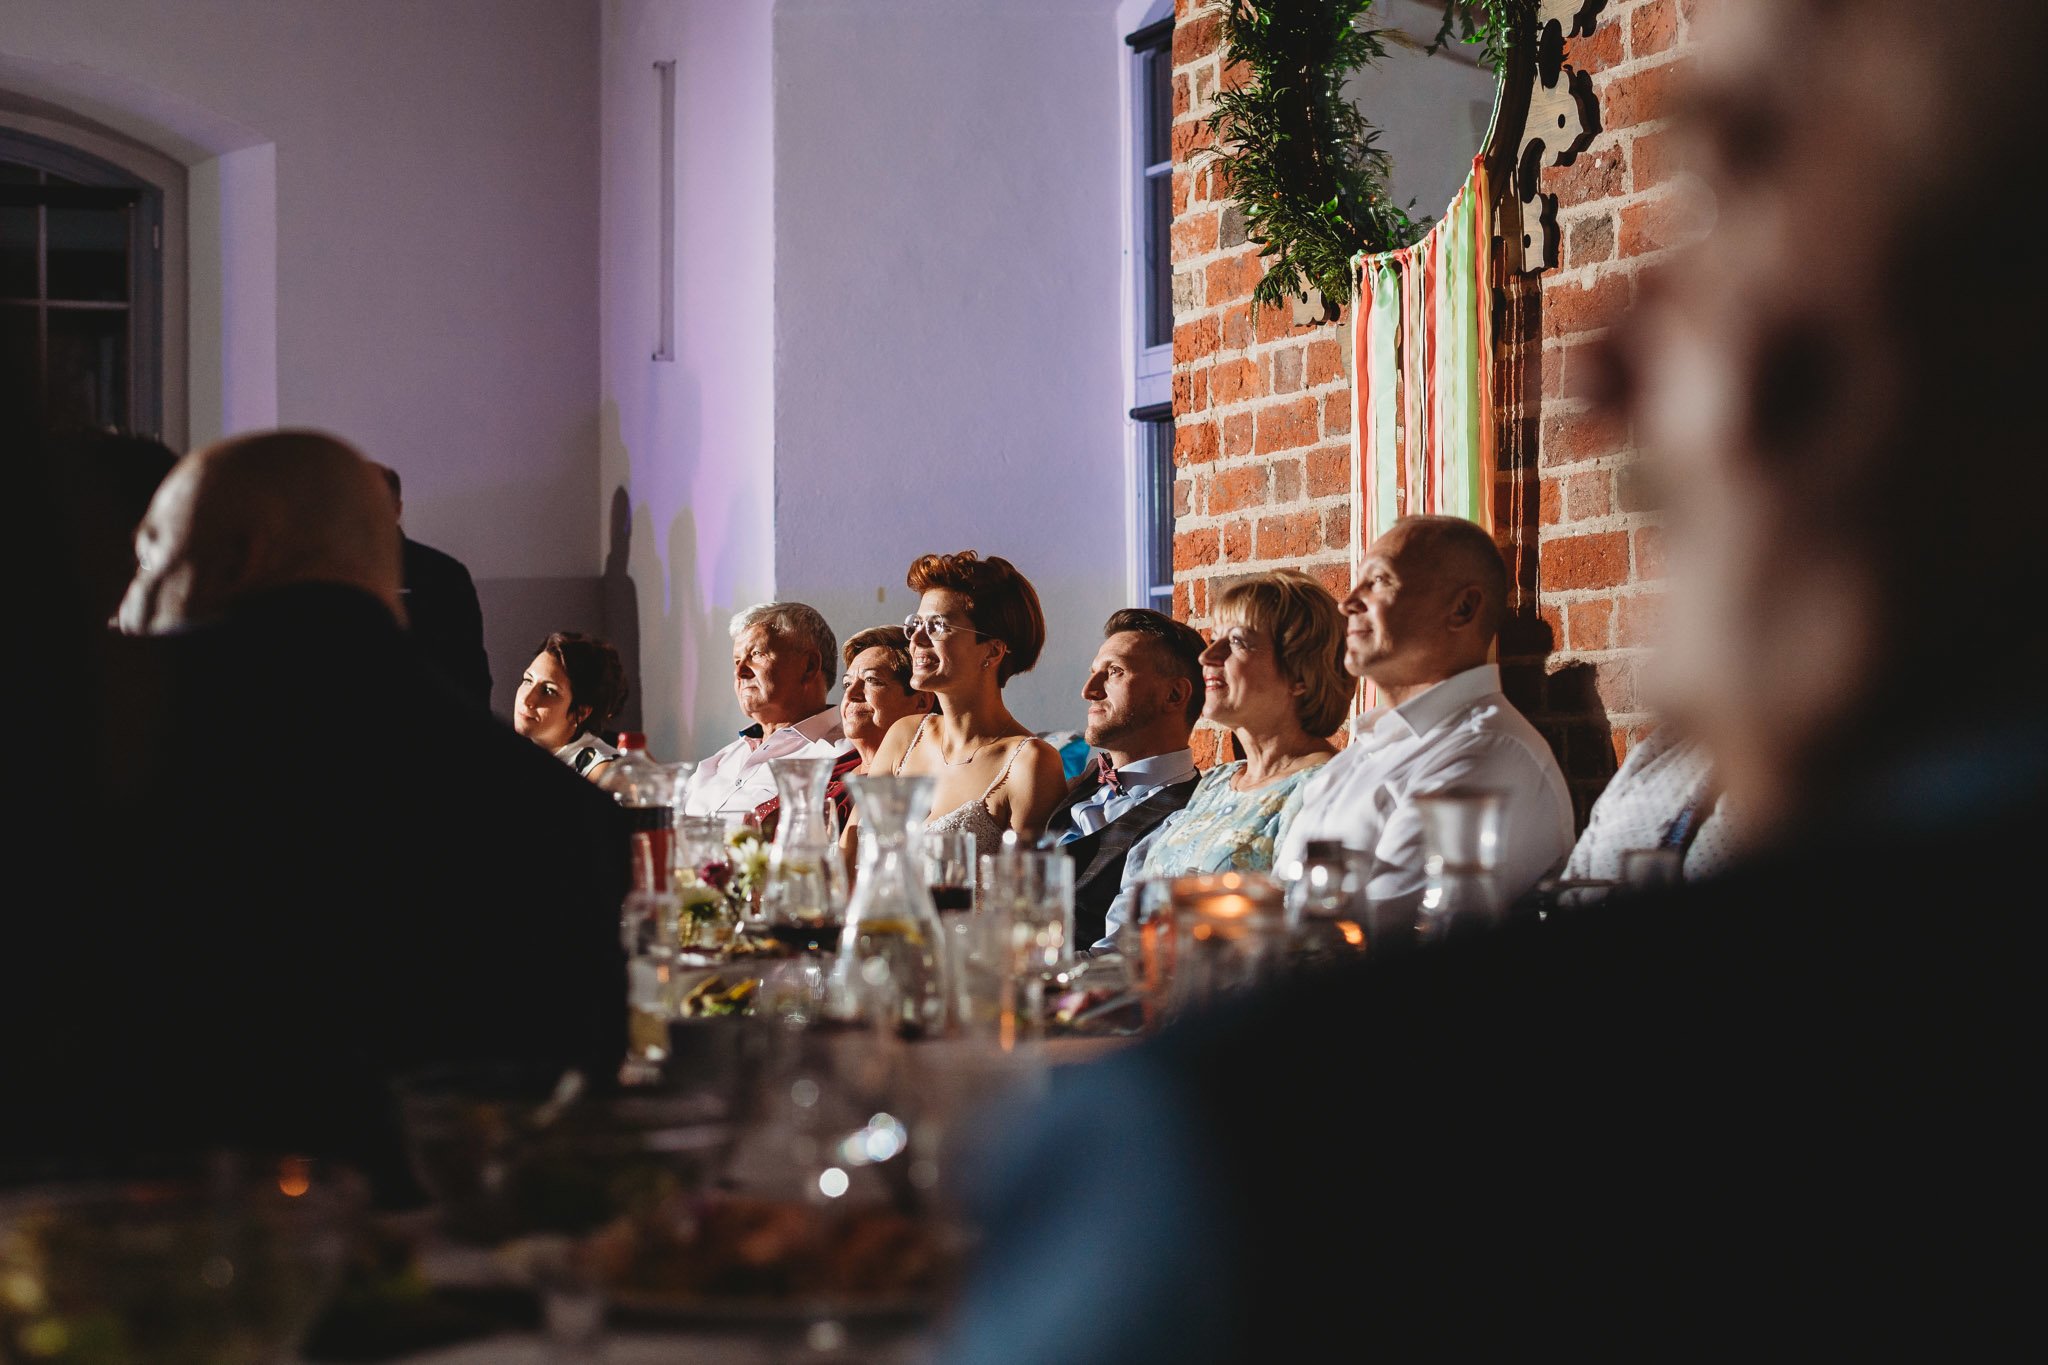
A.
x: 1107, y: 775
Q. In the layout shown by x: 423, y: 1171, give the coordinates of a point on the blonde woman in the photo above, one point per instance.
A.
x: 1273, y: 674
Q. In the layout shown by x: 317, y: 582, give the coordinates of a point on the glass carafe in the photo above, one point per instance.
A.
x: 805, y: 891
x: 1461, y: 860
x: 892, y: 968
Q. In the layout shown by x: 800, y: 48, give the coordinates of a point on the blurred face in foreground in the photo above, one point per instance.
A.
x: 1778, y: 370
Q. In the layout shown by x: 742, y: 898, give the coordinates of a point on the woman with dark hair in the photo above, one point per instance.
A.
x: 978, y: 624
x: 574, y: 685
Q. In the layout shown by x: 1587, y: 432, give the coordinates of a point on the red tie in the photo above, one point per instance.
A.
x: 1107, y: 776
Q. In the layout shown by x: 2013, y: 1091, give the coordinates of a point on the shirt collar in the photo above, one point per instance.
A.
x: 822, y: 726
x: 1159, y: 770
x: 1424, y: 712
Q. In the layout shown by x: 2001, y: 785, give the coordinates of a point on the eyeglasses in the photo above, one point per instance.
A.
x: 938, y: 627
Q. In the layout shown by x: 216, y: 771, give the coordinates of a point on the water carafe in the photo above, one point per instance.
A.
x: 892, y: 968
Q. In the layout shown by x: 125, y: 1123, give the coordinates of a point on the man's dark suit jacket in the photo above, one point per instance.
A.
x: 262, y: 921
x: 1790, y: 1114
x: 1099, y: 857
x: 441, y: 603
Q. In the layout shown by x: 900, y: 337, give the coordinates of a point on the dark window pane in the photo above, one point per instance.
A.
x: 17, y: 253
x: 1158, y: 70
x: 1158, y: 283
x: 14, y: 173
x: 18, y: 368
x: 89, y: 367
x: 89, y: 254
x: 1159, y: 472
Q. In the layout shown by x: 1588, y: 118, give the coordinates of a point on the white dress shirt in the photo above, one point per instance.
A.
x: 1662, y: 779
x: 1140, y: 779
x: 736, y: 778
x: 1460, y: 733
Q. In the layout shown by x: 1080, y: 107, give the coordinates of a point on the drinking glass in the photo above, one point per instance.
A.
x: 1327, y: 904
x: 1461, y: 858
x: 1028, y: 894
x: 949, y: 869
x: 1229, y: 931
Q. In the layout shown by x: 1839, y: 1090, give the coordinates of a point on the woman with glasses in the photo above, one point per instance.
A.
x: 1273, y: 675
x: 977, y: 625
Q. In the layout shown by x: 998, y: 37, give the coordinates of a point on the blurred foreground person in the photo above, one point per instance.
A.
x: 1787, y: 1112
x: 365, y: 875
x: 567, y: 695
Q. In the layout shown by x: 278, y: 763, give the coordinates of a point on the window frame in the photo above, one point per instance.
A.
x: 145, y: 305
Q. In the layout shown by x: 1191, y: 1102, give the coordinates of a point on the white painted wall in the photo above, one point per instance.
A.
x: 393, y: 204
x: 688, y: 446
x: 949, y: 310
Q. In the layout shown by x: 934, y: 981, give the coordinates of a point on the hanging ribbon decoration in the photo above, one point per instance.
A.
x: 1423, y: 426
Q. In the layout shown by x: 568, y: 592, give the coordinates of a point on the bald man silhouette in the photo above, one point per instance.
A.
x: 332, y: 870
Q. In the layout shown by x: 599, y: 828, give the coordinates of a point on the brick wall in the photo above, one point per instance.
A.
x: 1262, y: 407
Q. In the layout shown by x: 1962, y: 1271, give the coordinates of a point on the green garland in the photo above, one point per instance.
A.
x: 1303, y: 163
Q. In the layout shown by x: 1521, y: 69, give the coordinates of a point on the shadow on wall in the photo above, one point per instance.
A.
x: 619, y: 601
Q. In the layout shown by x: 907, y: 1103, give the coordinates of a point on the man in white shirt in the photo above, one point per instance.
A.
x: 783, y: 661
x: 1423, y: 617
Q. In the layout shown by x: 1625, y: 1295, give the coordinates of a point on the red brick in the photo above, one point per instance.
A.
x: 1550, y: 502
x: 1286, y: 364
x: 1337, y: 414
x: 1658, y: 157
x: 1180, y: 96
x: 1193, y: 340
x: 1237, y: 541
x: 1639, y: 97
x: 1587, y: 241
x: 1180, y: 600
x: 1325, y: 361
x: 1206, y: 745
x: 1237, y: 488
x: 1190, y: 390
x: 1234, y: 381
x: 1183, y: 189
x: 1195, y: 39
x: 1183, y: 497
x: 1634, y: 489
x: 1293, y: 536
x: 1275, y: 323
x: 1235, y: 75
x: 1553, y: 371
x: 1192, y: 549
x: 1652, y: 28
x: 1598, y: 52
x: 1194, y: 235
x: 1640, y: 619
x: 1615, y: 682
x: 1658, y: 223
x: 1233, y: 277
x: 1334, y: 575
x: 1194, y: 443
x: 1191, y: 136
x: 1286, y: 426
x: 1599, y: 172
x: 1585, y: 373
x: 1329, y: 471
x: 1337, y: 527
x: 1590, y: 622
x: 1591, y: 561
x: 1553, y: 619
x: 1649, y: 554
x: 1580, y: 307
x: 1237, y: 434
x: 1286, y: 481
x: 1588, y: 495
x: 1569, y: 437
x: 1237, y: 327
x: 1198, y: 598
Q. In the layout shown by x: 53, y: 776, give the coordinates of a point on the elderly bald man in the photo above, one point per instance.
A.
x: 351, y: 872
x: 1422, y: 619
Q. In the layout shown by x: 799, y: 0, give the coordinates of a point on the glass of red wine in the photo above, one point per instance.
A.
x: 949, y: 864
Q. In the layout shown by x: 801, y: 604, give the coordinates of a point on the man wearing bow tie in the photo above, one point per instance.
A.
x: 1144, y: 695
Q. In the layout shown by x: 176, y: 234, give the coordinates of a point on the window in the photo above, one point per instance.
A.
x: 80, y: 287
x: 1151, y: 412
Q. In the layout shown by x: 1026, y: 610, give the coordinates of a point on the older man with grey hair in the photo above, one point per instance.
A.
x: 783, y: 660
